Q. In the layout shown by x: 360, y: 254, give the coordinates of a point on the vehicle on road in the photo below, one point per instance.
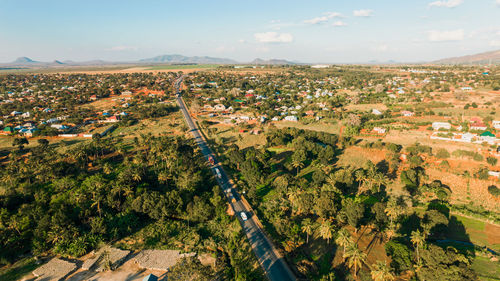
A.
x: 243, y: 216
x: 218, y: 173
x: 211, y: 160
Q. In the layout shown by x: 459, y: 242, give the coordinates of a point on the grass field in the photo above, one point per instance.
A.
x: 18, y: 269
x: 486, y: 269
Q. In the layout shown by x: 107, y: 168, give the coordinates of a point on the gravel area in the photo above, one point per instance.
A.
x: 159, y: 259
x: 55, y: 269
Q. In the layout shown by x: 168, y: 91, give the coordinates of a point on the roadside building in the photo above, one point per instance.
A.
x: 441, y: 125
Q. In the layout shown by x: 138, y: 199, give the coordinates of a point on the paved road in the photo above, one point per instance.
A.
x: 275, y: 267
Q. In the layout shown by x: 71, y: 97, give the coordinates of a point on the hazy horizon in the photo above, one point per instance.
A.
x: 319, y: 32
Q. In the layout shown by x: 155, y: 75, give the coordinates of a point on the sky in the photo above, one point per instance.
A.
x: 312, y: 31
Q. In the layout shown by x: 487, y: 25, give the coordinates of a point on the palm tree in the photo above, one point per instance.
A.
x: 355, y: 258
x: 382, y: 272
x: 307, y: 228
x: 360, y: 177
x: 297, y: 164
x: 393, y: 210
x: 344, y: 239
x: 379, y: 180
x: 418, y: 240
x: 326, y: 230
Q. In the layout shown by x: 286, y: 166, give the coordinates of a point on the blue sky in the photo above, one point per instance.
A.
x: 300, y: 30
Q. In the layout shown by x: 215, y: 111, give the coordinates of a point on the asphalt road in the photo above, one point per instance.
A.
x: 275, y: 267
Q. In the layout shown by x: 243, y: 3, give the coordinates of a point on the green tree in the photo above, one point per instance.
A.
x: 355, y: 258
x: 326, y: 230
x: 344, y: 240
x: 307, y: 228
x: 418, y: 240
x: 381, y: 271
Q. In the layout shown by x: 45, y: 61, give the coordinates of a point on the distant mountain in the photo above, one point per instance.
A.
x: 271, y: 61
x: 184, y: 59
x: 24, y: 60
x: 56, y: 62
x: 482, y: 58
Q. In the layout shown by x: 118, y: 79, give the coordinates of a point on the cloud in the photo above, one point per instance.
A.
x: 317, y: 20
x: 495, y: 43
x: 122, y: 48
x: 261, y: 49
x: 497, y: 2
x: 447, y: 4
x: 327, y: 16
x: 447, y: 35
x: 273, y: 37
x: 339, y: 23
x: 382, y: 48
x: 363, y: 13
x: 335, y: 14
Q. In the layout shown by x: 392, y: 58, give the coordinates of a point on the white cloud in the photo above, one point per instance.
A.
x: 273, y: 37
x: 447, y: 4
x: 447, y: 35
x: 335, y: 14
x: 498, y: 2
x: 382, y: 48
x: 122, y: 48
x: 262, y: 49
x: 327, y: 16
x: 363, y: 13
x: 339, y: 23
x: 317, y: 20
x: 495, y: 43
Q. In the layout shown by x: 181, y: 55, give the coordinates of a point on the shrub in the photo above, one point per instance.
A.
x: 492, y: 161
x: 442, y: 153
x: 493, y: 190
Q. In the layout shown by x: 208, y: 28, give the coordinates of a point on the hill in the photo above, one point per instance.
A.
x: 185, y: 59
x: 481, y: 58
x: 271, y: 61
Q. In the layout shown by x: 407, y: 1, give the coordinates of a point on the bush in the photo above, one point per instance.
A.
x: 442, y: 153
x: 492, y: 161
x: 493, y: 190
x: 400, y: 255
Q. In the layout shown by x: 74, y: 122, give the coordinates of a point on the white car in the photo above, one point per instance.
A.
x: 243, y: 216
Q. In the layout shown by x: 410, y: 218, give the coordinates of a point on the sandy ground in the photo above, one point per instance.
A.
x: 134, y: 70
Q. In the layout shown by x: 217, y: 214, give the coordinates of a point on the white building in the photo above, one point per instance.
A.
x: 496, y: 124
x: 441, y: 125
x: 291, y: 118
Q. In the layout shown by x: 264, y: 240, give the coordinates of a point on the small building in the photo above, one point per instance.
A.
x: 291, y: 118
x: 150, y: 277
x: 478, y: 126
x: 219, y: 107
x: 376, y: 112
x: 8, y: 130
x: 496, y: 124
x: 379, y: 130
x: 441, y: 125
x: 407, y: 113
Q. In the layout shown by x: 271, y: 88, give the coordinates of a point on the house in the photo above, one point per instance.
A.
x: 376, y: 112
x: 407, y: 113
x: 379, y: 130
x: 291, y: 118
x: 8, y: 130
x: 112, y: 119
x: 14, y: 113
x: 466, y: 89
x: 441, y: 125
x: 59, y: 126
x: 25, y: 115
x: 93, y: 97
x: 219, y: 107
x: 150, y: 277
x: 480, y: 126
x: 496, y: 124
